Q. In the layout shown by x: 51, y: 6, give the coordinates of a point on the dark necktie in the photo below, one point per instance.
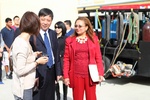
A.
x: 49, y: 51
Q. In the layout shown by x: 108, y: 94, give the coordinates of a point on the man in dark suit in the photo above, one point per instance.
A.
x: 46, y: 42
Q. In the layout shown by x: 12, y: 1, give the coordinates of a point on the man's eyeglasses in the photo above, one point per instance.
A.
x: 79, y: 26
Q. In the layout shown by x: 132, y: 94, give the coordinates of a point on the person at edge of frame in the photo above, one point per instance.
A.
x: 24, y: 59
x: 1, y: 57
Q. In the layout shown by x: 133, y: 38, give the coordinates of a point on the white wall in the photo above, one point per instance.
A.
x: 62, y: 9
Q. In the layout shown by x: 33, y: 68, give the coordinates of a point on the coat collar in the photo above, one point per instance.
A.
x: 41, y: 39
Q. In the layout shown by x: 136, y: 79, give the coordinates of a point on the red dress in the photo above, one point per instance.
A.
x: 81, y: 60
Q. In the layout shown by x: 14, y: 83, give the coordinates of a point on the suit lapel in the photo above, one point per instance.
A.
x: 39, y: 37
x: 42, y: 41
x: 51, y: 39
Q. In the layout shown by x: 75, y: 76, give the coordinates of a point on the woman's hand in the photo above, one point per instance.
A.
x: 101, y: 78
x: 66, y: 81
x: 38, y: 54
x: 42, y: 60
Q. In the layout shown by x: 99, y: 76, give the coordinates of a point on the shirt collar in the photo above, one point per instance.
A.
x: 68, y: 30
x: 42, y: 33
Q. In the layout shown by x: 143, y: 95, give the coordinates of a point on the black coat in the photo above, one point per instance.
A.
x: 61, y: 43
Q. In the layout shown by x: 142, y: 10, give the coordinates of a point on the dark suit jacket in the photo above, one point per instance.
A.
x: 40, y: 46
x: 70, y: 32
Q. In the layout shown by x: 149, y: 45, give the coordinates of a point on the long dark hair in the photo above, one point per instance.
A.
x: 61, y: 25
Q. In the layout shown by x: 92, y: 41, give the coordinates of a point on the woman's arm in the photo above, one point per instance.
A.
x: 66, y: 60
x: 98, y: 58
x: 25, y: 62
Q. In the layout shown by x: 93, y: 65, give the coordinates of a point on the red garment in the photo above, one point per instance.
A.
x: 14, y: 27
x: 69, y: 57
x: 81, y: 60
x: 82, y: 86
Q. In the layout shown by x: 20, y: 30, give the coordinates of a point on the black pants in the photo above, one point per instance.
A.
x: 47, y: 91
x: 65, y: 90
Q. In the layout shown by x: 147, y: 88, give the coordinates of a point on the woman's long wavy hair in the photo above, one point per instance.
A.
x: 89, y: 31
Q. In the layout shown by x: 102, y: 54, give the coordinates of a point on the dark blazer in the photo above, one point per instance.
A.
x: 70, y: 32
x: 61, y: 43
x: 40, y: 46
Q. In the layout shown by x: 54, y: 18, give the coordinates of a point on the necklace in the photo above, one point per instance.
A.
x: 81, y: 40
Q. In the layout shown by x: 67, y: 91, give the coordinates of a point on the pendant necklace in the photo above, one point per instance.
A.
x: 81, y: 40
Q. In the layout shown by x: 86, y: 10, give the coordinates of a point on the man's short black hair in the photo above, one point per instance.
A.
x: 7, y: 20
x: 15, y: 17
x: 45, y: 12
x: 68, y: 22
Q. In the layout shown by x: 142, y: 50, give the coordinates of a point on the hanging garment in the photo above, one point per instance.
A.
x: 120, y: 27
x: 133, y: 28
x: 106, y: 27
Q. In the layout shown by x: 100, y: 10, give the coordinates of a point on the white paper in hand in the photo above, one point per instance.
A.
x: 94, y: 72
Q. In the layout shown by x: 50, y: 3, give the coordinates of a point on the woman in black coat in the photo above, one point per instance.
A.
x: 61, y: 31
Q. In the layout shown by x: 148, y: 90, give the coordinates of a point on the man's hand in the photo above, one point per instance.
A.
x: 8, y: 50
x: 1, y: 49
x: 36, y: 83
x: 0, y: 54
x: 59, y: 77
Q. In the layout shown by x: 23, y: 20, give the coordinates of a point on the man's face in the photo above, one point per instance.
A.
x: 17, y: 21
x: 67, y: 26
x: 9, y: 24
x: 45, y: 22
